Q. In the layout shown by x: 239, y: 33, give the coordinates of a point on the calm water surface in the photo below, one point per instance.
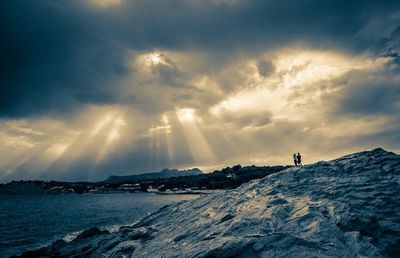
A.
x: 28, y: 222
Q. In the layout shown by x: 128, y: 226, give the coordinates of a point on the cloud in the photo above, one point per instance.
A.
x: 105, y: 3
x: 265, y: 68
x: 51, y: 63
x: 59, y: 55
x: 368, y: 94
x: 262, y: 78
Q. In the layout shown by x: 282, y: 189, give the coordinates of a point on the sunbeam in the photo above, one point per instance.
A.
x: 112, y: 136
x: 198, y: 145
x: 103, y: 122
x: 168, y: 140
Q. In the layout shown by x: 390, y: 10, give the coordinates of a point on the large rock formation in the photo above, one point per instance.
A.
x: 348, y: 207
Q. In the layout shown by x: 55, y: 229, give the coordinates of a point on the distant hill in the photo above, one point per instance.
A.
x: 165, y: 173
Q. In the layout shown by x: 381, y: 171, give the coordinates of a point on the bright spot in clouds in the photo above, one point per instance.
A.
x: 299, y: 67
x: 296, y: 71
x: 152, y: 59
x: 155, y: 59
x: 186, y: 114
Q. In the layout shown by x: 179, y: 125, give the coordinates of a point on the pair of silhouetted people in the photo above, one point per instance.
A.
x: 297, y: 160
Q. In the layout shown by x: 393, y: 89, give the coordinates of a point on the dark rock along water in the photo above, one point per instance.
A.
x: 27, y: 222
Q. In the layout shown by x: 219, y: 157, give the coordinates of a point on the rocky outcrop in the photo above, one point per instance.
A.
x: 348, y: 207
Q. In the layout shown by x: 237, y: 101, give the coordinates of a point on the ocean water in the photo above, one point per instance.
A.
x: 28, y: 222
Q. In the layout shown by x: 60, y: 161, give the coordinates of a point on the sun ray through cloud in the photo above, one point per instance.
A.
x: 111, y: 138
x: 198, y: 144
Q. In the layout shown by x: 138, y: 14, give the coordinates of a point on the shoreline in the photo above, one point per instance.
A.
x: 114, y: 211
x: 338, y: 208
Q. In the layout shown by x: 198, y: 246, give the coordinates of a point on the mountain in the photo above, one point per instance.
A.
x: 165, y: 173
x: 347, y: 207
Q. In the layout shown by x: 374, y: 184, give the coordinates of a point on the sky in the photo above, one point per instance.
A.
x: 90, y: 88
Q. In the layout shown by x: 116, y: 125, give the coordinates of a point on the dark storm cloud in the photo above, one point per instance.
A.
x: 376, y: 97
x: 389, y: 46
x: 58, y: 55
x: 370, y: 92
x: 50, y: 62
x: 179, y: 23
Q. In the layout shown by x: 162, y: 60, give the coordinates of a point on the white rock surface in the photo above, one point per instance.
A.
x: 348, y: 207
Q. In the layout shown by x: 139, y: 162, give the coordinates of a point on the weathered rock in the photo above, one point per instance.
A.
x: 348, y: 207
x: 90, y: 233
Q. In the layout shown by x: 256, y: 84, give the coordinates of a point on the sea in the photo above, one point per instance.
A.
x: 31, y: 221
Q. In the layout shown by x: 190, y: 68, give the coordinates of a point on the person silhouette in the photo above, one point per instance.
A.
x: 299, y: 160
x: 295, y: 160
